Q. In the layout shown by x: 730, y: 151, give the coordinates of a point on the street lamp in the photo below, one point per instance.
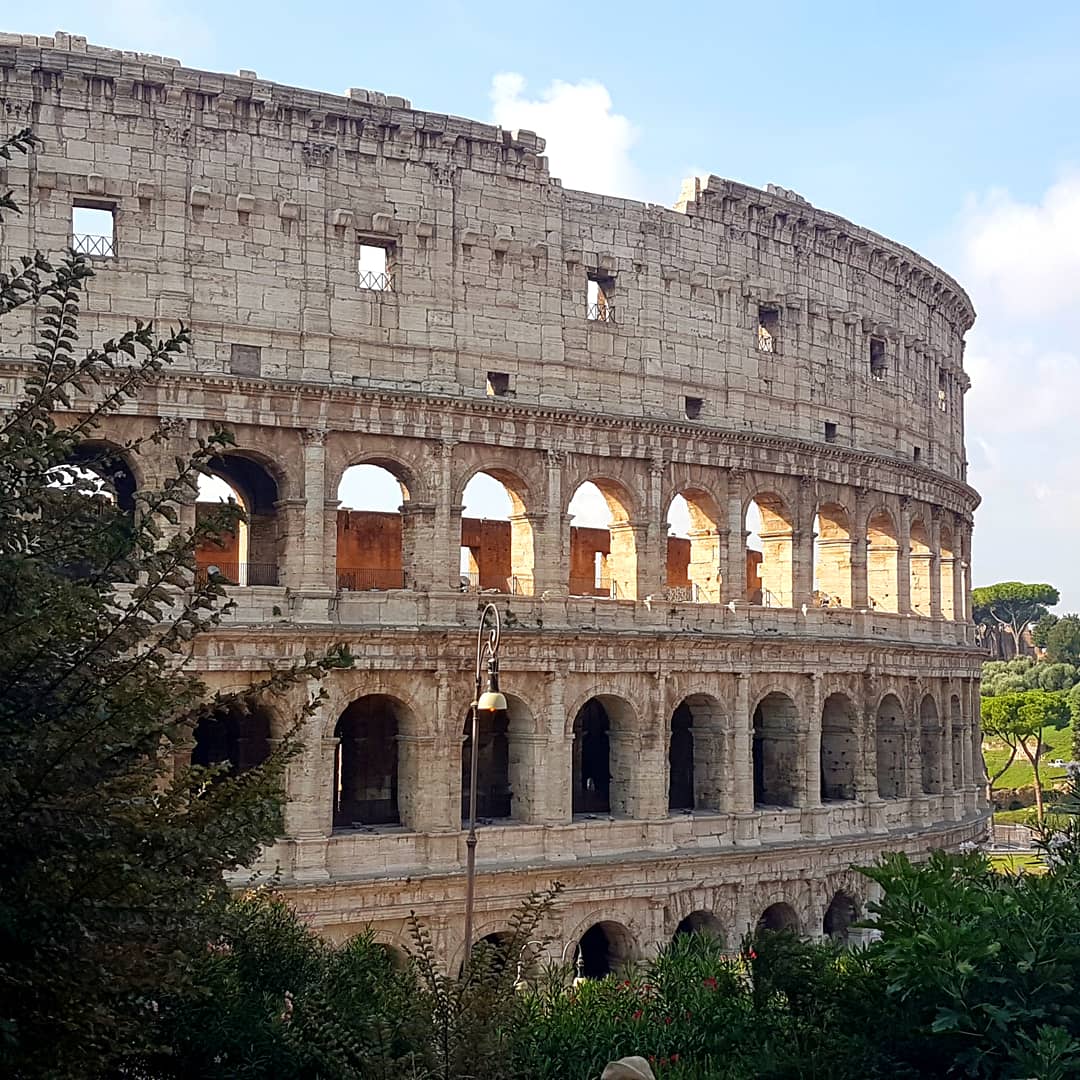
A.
x: 489, y: 702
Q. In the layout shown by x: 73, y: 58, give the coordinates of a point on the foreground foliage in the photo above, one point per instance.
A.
x: 112, y: 852
x: 974, y: 975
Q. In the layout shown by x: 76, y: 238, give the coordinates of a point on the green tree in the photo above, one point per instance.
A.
x: 1012, y: 606
x: 1041, y: 630
x: 1020, y: 719
x: 1063, y: 640
x: 111, y: 857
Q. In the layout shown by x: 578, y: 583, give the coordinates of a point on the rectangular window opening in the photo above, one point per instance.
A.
x: 768, y: 329
x: 93, y: 229
x: 692, y: 406
x: 878, y: 364
x: 600, y: 298
x: 245, y: 360
x: 498, y: 384
x: 830, y: 431
x: 916, y: 455
x: 375, y: 265
x: 943, y: 391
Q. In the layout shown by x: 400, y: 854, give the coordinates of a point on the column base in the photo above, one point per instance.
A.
x: 747, y: 830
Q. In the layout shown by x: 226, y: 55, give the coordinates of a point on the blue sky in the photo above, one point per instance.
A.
x: 950, y: 127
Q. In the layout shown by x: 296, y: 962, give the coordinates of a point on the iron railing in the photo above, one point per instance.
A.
x: 765, y: 341
x: 361, y: 813
x: 376, y: 282
x: 239, y: 573
x: 521, y: 585
x: 366, y: 580
x: 600, y: 313
x: 89, y: 244
x: 680, y: 594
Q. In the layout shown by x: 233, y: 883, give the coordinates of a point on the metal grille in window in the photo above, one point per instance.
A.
x: 601, y: 313
x: 765, y: 341
x: 369, y: 279
x: 88, y: 244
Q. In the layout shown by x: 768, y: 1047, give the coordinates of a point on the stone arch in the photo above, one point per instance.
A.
x: 375, y: 537
x: 606, y: 947
x: 832, y: 556
x: 405, y: 689
x: 407, y: 473
x: 368, y: 772
x: 235, y: 735
x: 882, y: 560
x: 956, y: 721
x: 113, y: 465
x: 920, y: 563
x: 603, y: 757
x: 771, y: 581
x: 693, y: 554
x: 778, y: 917
x: 497, y: 553
x: 889, y: 739
x: 603, y: 561
x: 776, y: 746
x: 947, y: 573
x: 839, y: 748
x: 842, y: 912
x: 696, y: 747
x: 704, y: 923
x: 930, y: 745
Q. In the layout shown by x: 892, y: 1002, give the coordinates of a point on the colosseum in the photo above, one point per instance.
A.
x: 707, y: 461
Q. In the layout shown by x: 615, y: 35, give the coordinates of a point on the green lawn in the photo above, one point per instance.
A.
x: 1030, y: 864
x: 1018, y: 774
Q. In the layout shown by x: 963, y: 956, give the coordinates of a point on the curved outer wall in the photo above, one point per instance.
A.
x: 239, y: 205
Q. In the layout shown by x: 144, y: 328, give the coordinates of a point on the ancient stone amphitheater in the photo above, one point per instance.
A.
x: 704, y: 730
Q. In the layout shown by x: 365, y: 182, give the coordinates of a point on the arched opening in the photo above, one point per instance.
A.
x: 777, y: 918
x: 948, y: 565
x: 891, y: 780
x: 232, y: 735
x: 397, y: 957
x: 832, y: 556
x: 371, y: 528
x: 496, y: 535
x: 769, y: 570
x: 930, y: 736
x: 247, y: 554
x: 493, y: 950
x: 605, y: 948
x: 919, y: 560
x: 603, y: 551
x: 693, y: 548
x: 842, y: 912
x: 98, y: 470
x: 776, y: 752
x: 956, y: 716
x: 366, y: 763
x: 493, y: 795
x: 681, y: 760
x: 592, y: 759
x: 698, y: 733
x: 882, y: 562
x: 839, y: 748
x: 702, y: 923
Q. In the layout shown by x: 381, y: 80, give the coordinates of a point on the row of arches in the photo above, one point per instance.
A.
x: 607, y: 946
x: 611, y: 769
x: 887, y: 559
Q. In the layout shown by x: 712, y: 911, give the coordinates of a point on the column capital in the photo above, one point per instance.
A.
x: 314, y: 436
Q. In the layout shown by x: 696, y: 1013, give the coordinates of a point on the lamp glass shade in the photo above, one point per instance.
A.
x: 491, y: 701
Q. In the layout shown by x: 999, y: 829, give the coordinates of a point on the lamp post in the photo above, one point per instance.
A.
x: 490, y: 701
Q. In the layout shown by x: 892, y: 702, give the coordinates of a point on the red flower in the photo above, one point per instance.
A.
x: 637, y: 1015
x: 709, y: 983
x: 663, y: 1061
x: 667, y: 1019
x: 674, y: 1058
x: 652, y: 1059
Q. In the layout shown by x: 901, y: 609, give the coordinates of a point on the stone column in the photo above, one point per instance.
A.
x: 958, y: 574
x: 811, y: 792
x: 317, y: 574
x: 446, y: 551
x: 859, y: 591
x: 742, y: 752
x: 802, y: 545
x: 309, y: 786
x: 735, y: 566
x: 652, y: 559
x: 903, y: 558
x: 526, y: 531
x: 419, y: 562
x: 629, y: 563
x: 935, y: 563
x: 551, y: 541
x: 555, y: 778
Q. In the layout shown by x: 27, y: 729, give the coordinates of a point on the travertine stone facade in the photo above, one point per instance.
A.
x: 706, y: 743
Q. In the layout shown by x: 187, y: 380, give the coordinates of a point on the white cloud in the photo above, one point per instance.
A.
x: 1022, y: 266
x: 588, y: 144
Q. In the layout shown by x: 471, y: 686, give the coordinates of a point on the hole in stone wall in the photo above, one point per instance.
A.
x: 879, y: 366
x: 768, y: 329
